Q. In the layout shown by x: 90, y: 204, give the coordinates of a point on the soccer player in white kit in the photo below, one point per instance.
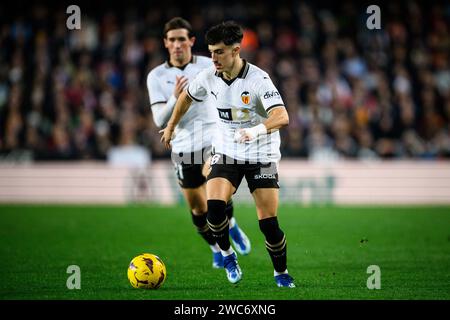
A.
x: 191, y: 146
x: 250, y: 111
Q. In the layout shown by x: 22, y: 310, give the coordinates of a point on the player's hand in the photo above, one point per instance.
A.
x: 180, y: 84
x: 249, y: 134
x: 241, y: 136
x: 167, y: 135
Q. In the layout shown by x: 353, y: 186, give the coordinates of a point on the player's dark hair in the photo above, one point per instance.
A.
x: 178, y: 23
x: 229, y: 32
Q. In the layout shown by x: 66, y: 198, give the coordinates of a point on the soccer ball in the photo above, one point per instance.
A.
x: 147, y: 271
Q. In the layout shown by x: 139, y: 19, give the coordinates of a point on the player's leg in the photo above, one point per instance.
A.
x: 238, y: 237
x: 219, y: 191
x: 223, y: 181
x: 266, y: 201
x: 263, y: 184
x: 196, y: 199
x: 193, y: 187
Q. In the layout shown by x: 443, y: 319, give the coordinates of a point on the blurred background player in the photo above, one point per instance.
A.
x: 251, y: 111
x: 191, y: 146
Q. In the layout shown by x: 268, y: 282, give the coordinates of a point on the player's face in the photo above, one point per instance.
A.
x: 179, y: 45
x: 223, y: 56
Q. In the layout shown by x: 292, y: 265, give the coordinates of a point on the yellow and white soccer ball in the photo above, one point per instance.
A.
x: 147, y: 271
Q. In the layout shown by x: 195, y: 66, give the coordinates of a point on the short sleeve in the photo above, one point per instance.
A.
x: 198, y: 88
x: 268, y: 94
x: 155, y: 91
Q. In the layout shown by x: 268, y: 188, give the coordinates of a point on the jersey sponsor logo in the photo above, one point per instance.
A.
x: 271, y: 94
x: 245, y: 97
x: 240, y: 114
x: 234, y: 114
x: 215, y: 94
x: 225, y: 114
x: 265, y: 176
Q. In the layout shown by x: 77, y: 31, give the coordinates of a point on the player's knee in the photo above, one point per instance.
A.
x: 199, y: 209
x: 197, y: 203
x: 216, y: 211
x: 271, y: 230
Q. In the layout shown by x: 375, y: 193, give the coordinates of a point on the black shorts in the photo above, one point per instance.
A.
x: 188, y: 167
x: 258, y: 175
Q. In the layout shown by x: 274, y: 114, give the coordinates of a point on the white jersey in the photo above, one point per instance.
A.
x: 243, y: 102
x: 196, y: 128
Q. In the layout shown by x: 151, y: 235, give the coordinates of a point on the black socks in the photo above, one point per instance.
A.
x: 218, y: 223
x: 202, y: 228
x: 275, y: 242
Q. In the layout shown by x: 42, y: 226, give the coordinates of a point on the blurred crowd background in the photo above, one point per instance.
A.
x: 350, y: 92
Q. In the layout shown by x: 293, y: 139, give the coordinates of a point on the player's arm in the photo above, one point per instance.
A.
x: 163, y: 111
x: 278, y: 118
x: 181, y: 107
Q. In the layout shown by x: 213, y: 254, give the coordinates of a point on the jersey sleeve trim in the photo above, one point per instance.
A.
x: 192, y: 97
x: 274, y: 106
x: 158, y: 102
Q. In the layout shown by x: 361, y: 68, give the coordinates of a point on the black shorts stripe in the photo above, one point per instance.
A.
x: 192, y: 97
x: 274, y: 106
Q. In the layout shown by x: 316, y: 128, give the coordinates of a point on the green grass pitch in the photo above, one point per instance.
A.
x: 329, y: 251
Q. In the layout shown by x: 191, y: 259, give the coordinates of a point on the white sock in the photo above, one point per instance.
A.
x: 231, y: 222
x: 226, y: 253
x: 215, y: 248
x: 278, y: 273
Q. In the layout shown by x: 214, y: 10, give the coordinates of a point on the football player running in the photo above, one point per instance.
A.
x: 250, y: 112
